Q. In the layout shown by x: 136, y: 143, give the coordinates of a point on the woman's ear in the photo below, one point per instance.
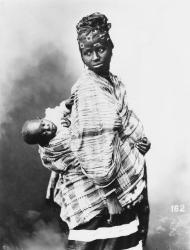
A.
x: 81, y: 56
x: 82, y: 59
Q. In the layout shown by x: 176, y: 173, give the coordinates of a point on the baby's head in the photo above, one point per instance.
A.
x: 38, y: 131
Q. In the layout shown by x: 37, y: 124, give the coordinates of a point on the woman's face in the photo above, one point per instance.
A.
x: 97, y: 57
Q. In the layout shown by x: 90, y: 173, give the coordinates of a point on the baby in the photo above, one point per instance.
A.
x: 52, y: 134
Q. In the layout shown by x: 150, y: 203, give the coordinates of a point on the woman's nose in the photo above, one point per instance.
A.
x: 95, y: 56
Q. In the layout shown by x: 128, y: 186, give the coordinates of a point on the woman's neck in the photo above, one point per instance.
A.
x: 103, y: 74
x: 106, y: 75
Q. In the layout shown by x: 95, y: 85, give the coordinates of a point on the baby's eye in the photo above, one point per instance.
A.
x: 42, y: 123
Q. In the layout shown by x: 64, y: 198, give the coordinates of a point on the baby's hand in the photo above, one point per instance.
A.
x: 69, y: 103
x: 65, y: 122
x: 114, y: 207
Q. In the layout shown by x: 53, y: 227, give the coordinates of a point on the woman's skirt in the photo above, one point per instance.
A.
x: 98, y: 234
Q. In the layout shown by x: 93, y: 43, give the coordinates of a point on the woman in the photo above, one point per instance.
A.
x: 102, y: 190
x: 109, y: 142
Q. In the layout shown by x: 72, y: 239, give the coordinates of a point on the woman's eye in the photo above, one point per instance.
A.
x: 101, y: 50
x: 88, y: 53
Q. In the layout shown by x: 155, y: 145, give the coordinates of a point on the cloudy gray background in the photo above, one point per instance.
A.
x: 39, y: 62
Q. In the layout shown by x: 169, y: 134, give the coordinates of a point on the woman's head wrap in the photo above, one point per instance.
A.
x: 93, y: 28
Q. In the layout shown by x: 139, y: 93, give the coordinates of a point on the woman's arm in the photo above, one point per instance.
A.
x: 132, y: 128
x: 94, y: 135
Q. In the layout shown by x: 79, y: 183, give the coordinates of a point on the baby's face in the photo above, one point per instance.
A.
x: 45, y: 129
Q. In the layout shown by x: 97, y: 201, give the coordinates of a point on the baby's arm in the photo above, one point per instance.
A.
x: 51, y: 185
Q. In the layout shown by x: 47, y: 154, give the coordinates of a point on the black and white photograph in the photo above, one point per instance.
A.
x: 94, y: 126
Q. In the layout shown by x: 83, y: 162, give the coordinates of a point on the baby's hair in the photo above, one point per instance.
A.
x: 28, y: 136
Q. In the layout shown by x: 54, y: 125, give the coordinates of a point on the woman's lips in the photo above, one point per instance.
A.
x: 98, y: 65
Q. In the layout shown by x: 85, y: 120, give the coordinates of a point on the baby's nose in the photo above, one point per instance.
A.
x: 46, y: 126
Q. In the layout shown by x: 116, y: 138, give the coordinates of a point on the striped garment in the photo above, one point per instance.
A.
x: 99, y: 235
x: 88, y: 169
x: 104, y: 131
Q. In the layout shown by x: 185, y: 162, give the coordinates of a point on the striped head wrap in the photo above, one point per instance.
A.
x: 92, y: 29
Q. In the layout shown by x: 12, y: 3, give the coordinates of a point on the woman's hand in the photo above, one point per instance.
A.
x: 143, y: 145
x: 114, y: 207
